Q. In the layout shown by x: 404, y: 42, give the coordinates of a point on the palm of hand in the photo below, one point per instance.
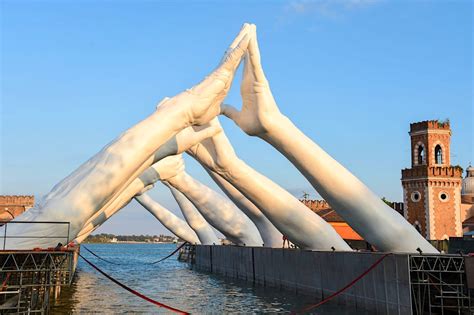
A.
x: 258, y: 106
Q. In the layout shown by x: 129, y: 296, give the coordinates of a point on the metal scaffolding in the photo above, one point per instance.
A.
x: 438, y: 285
x: 29, y: 279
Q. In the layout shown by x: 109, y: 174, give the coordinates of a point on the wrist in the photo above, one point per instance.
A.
x: 275, y: 126
x: 175, y: 181
x: 177, y: 115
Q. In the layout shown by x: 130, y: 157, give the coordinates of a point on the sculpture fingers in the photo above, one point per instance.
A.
x: 246, y: 27
x: 237, y: 48
x: 167, y: 167
x: 222, y: 77
x: 231, y: 112
x: 254, y: 57
x: 191, y: 136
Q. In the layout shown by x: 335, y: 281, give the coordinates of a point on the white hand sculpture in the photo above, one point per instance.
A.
x: 165, y: 168
x: 203, y: 100
x: 364, y: 211
x: 302, y: 226
x: 255, y: 120
x: 218, y: 211
x: 170, y: 221
x: 110, y: 171
x: 182, y: 141
x: 195, y: 220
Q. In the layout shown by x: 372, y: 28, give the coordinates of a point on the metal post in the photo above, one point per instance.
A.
x: 68, y: 229
x: 5, y: 236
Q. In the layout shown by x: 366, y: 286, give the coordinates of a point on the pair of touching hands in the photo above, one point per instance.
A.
x: 203, y: 137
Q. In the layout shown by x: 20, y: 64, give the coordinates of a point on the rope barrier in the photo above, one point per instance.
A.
x: 350, y: 284
x: 164, y: 258
x: 144, y: 297
x: 107, y: 261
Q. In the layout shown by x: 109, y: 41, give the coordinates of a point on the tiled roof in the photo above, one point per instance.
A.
x: 323, y: 209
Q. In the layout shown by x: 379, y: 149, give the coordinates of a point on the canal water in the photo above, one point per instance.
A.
x: 170, y: 282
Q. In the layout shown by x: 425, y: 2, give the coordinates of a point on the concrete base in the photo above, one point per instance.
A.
x: 385, y: 290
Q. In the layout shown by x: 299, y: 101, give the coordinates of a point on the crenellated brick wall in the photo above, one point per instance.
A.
x: 13, y: 206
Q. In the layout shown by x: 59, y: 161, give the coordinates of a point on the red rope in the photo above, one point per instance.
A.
x: 4, y: 284
x: 350, y: 284
x: 133, y: 291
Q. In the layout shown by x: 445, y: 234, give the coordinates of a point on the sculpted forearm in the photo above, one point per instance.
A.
x: 302, y: 226
x: 218, y: 211
x: 194, y: 218
x: 361, y: 208
x: 348, y: 196
x: 270, y: 234
x: 177, y: 226
x: 105, y: 176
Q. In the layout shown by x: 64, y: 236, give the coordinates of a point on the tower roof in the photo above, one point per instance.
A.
x: 430, y: 124
x: 468, y: 182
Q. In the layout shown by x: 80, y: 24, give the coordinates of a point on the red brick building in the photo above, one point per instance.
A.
x: 432, y: 186
x: 13, y: 206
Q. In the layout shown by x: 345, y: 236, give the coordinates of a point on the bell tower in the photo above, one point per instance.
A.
x: 432, y: 187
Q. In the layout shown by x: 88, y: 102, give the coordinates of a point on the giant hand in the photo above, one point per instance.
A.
x: 259, y: 110
x: 364, y: 211
x: 185, y: 139
x: 202, y: 102
x: 159, y: 170
x: 302, y: 226
x: 109, y: 172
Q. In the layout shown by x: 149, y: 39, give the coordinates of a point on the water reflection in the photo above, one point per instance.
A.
x: 169, y: 282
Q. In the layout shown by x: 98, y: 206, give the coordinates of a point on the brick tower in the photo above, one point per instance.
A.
x: 432, y: 187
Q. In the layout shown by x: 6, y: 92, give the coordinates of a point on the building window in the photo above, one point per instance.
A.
x: 415, y: 196
x: 438, y: 154
x: 421, y: 155
x: 443, y: 196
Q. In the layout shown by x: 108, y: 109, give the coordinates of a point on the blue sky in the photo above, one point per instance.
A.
x: 351, y: 74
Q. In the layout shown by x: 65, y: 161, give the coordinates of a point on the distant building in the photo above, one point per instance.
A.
x: 13, y: 206
x: 467, y: 201
x: 323, y: 209
x: 432, y: 186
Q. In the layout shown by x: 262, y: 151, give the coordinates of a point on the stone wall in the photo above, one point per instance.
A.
x: 385, y: 290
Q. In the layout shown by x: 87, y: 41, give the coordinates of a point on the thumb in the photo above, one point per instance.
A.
x: 230, y: 112
x: 205, y: 133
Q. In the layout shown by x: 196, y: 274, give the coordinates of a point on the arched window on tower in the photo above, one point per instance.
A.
x: 438, y: 154
x: 421, y: 155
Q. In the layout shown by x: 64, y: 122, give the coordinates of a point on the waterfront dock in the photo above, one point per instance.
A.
x: 32, y: 279
x: 400, y: 284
